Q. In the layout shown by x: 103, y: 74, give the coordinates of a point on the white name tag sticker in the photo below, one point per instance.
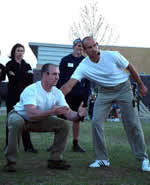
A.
x: 70, y: 65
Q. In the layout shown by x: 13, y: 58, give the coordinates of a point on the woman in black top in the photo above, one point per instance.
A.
x: 19, y: 76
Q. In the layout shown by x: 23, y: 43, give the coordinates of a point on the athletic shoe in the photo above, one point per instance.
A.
x: 145, y: 165
x: 116, y: 120
x: 100, y: 163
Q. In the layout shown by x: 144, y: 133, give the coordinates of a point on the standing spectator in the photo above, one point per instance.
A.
x: 80, y: 92
x: 108, y: 70
x: 113, y: 115
x: 19, y: 76
x: 2, y: 75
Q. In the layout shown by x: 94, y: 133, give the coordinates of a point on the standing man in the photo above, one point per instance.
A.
x: 107, y: 69
x: 37, y: 110
x: 80, y: 92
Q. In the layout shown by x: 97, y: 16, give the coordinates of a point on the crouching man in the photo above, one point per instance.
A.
x: 40, y: 106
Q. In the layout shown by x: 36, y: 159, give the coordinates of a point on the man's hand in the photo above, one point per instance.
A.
x: 82, y: 110
x: 59, y: 110
x: 11, y: 73
x: 137, y: 78
x: 143, y: 90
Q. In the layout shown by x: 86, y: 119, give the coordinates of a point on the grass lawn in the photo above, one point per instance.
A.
x: 32, y: 168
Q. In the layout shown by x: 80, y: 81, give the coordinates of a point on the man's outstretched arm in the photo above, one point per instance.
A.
x: 67, y: 87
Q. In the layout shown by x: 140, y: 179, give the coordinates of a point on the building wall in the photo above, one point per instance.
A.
x: 49, y: 52
x: 53, y: 53
x: 138, y: 56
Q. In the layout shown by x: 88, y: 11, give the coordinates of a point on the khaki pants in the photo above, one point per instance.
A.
x: 123, y: 96
x: 52, y: 124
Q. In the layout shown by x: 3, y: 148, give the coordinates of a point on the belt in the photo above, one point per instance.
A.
x: 113, y: 87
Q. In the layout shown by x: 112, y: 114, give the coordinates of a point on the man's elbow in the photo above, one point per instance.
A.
x: 130, y: 68
x: 65, y: 89
x: 31, y: 116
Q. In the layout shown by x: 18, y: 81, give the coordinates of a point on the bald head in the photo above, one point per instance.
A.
x: 85, y: 40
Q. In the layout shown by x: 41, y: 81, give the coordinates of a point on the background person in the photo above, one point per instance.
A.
x: 2, y: 76
x: 37, y: 110
x: 113, y: 115
x: 79, y: 93
x: 19, y: 76
x: 107, y: 69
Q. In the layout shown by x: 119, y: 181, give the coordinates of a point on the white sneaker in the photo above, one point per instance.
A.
x: 100, y: 163
x: 146, y: 165
x: 116, y: 119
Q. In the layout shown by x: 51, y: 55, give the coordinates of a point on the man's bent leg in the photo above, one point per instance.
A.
x: 60, y: 139
x: 15, y: 126
x: 61, y: 129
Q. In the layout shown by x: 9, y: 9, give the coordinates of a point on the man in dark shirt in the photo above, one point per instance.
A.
x: 80, y: 92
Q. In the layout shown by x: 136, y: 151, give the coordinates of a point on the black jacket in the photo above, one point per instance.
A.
x: 67, y: 66
x: 18, y: 82
x: 3, y: 73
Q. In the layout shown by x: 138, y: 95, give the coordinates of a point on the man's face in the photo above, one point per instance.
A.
x: 78, y: 48
x: 91, y: 47
x: 52, y: 75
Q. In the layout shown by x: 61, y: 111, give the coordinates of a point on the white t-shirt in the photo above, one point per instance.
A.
x: 43, y: 100
x: 109, y: 71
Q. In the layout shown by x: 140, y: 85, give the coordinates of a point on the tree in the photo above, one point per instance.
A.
x: 93, y: 24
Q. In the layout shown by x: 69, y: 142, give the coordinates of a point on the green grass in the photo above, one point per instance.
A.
x: 32, y: 168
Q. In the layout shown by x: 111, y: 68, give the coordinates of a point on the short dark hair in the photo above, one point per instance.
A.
x: 45, y: 67
x: 12, y: 54
x: 84, y: 39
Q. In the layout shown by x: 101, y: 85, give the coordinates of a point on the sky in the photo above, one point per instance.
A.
x: 49, y: 21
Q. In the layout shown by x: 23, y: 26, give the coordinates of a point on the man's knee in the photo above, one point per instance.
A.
x: 65, y: 125
x: 15, y: 121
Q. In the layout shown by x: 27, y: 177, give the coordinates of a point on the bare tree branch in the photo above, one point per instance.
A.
x: 92, y: 23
